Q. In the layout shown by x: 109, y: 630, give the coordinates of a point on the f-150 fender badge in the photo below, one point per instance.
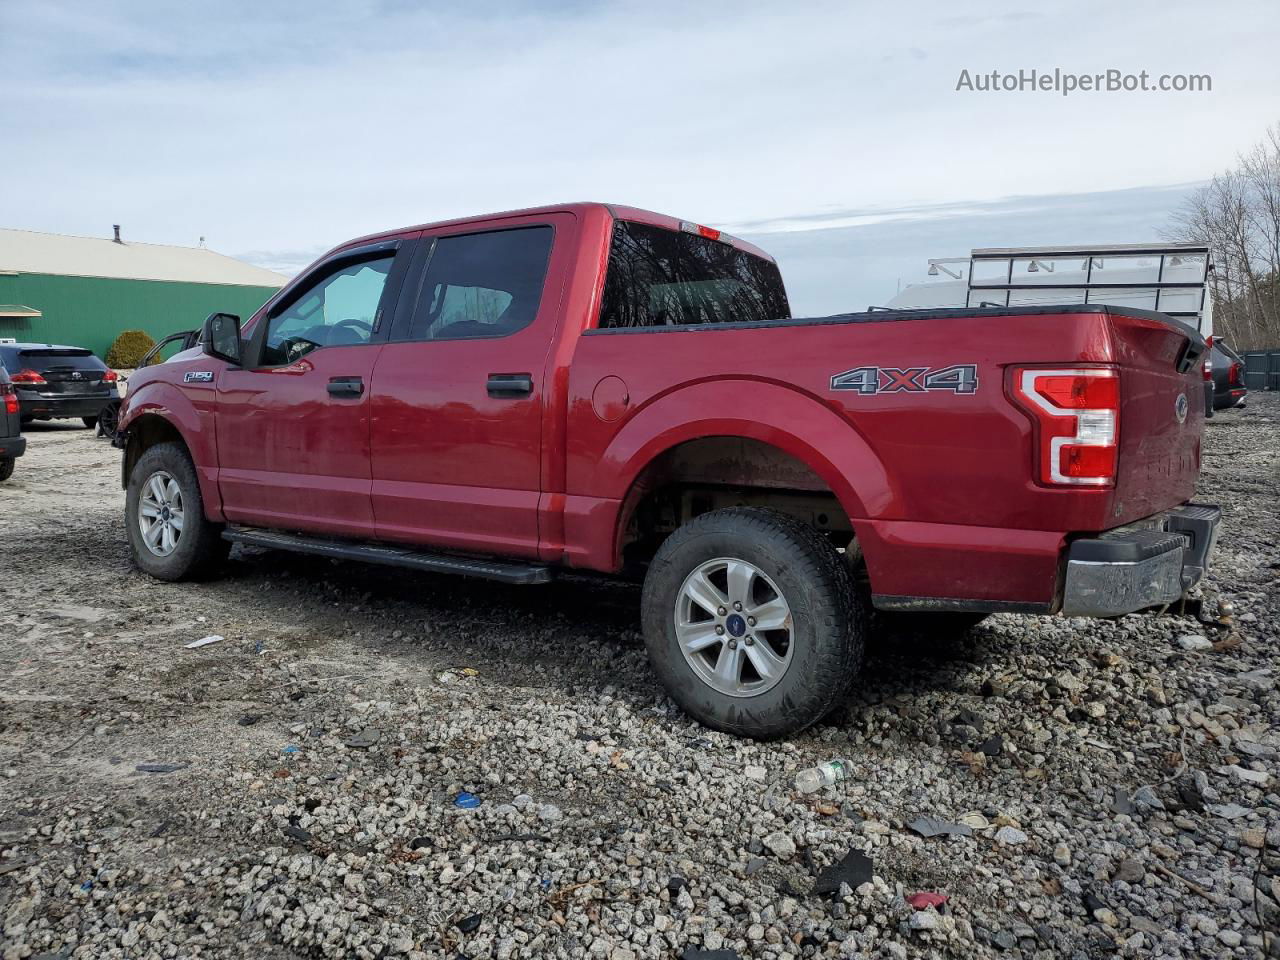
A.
x: 198, y: 376
x: 958, y: 378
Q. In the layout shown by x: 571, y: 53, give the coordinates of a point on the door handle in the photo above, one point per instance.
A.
x: 346, y: 386
x: 510, y: 384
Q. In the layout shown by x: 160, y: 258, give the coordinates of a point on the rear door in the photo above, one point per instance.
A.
x: 293, y: 423
x: 62, y: 373
x: 459, y: 392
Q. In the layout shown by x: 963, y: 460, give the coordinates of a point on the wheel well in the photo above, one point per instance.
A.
x: 144, y: 433
x: 711, y: 473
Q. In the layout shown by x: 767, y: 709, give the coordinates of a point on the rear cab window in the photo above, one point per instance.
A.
x: 662, y: 278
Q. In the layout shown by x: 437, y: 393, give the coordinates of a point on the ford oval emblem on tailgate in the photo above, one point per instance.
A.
x: 1180, y: 408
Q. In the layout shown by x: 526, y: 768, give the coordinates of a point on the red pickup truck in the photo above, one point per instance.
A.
x: 596, y: 387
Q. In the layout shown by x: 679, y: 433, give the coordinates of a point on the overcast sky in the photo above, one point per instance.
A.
x: 832, y: 134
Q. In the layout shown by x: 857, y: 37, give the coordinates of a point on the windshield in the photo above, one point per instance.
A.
x: 661, y: 277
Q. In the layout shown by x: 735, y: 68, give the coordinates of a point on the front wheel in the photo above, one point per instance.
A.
x: 752, y: 622
x: 169, y: 536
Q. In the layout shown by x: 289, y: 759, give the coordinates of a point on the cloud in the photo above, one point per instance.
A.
x: 292, y: 127
x: 840, y: 263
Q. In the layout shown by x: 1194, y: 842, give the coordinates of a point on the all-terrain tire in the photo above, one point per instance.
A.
x: 828, y: 620
x: 6, y: 467
x: 199, y: 549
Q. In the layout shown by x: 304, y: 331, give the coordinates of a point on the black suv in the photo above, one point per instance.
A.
x: 12, y: 445
x: 57, y: 383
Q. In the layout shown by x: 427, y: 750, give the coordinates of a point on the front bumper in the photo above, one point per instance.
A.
x: 11, y: 447
x: 1136, y: 567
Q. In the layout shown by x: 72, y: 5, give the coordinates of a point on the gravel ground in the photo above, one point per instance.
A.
x: 1108, y: 787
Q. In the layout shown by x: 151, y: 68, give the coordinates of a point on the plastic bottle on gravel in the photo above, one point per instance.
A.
x: 823, y: 775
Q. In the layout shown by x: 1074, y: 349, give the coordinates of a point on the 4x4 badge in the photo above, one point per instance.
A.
x: 958, y: 378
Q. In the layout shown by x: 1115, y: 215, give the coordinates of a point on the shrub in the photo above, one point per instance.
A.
x: 129, y: 349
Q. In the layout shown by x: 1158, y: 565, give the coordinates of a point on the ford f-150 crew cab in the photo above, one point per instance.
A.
x: 600, y: 388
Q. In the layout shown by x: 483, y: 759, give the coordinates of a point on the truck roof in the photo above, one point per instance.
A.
x: 581, y: 208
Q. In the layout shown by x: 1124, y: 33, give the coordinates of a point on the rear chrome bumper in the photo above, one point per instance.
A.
x: 1133, y: 568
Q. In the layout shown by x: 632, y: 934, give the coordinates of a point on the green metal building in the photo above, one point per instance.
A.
x: 83, y: 291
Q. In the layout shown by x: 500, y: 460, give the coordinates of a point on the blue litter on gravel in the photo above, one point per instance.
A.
x: 291, y: 749
x: 467, y: 801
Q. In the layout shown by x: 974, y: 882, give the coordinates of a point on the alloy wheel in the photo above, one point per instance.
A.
x: 734, y: 627
x: 160, y: 513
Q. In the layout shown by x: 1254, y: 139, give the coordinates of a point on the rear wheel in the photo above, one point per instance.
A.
x: 90, y: 422
x: 752, y: 622
x: 6, y: 467
x: 164, y: 516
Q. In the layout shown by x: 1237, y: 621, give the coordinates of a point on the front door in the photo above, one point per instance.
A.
x: 458, y: 393
x: 293, y: 424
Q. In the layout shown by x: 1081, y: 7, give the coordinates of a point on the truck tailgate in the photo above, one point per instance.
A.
x: 1161, y: 414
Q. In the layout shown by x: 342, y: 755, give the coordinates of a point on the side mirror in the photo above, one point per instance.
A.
x: 221, y: 337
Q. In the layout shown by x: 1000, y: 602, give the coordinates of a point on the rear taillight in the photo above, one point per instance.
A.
x: 1233, y: 373
x: 1208, y: 358
x: 110, y: 377
x: 1077, y: 416
x: 28, y: 376
x: 9, y: 398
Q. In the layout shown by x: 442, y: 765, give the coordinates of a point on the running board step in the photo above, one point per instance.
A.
x: 506, y: 571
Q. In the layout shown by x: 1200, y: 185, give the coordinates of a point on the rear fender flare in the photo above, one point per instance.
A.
x: 786, y: 418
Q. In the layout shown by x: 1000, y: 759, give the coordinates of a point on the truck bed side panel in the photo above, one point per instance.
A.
x: 942, y: 478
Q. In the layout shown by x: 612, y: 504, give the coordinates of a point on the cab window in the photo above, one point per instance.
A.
x: 482, y: 284
x: 660, y: 278
x: 340, y: 309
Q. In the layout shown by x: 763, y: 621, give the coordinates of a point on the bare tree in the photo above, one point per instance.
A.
x: 1238, y: 215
